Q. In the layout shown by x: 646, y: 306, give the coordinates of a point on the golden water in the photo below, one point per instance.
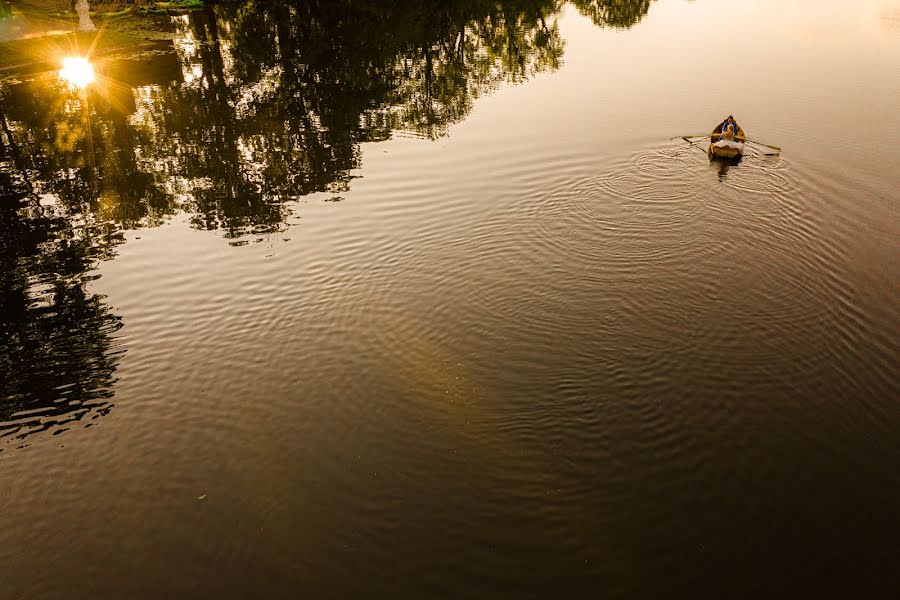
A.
x: 360, y: 301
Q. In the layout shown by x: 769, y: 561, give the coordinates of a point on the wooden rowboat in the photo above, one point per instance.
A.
x: 722, y: 148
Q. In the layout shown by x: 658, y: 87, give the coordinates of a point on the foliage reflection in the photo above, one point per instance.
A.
x: 613, y: 13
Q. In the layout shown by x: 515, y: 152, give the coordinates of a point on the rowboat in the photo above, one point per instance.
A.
x: 722, y: 148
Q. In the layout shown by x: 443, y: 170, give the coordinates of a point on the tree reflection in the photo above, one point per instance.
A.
x: 78, y: 147
x: 56, y: 355
x: 267, y: 102
x: 613, y: 13
x: 275, y: 99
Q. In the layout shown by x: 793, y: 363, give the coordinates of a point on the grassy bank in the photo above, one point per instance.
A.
x: 49, y: 35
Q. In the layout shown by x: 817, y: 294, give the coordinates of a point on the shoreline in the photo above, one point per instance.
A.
x: 33, y: 41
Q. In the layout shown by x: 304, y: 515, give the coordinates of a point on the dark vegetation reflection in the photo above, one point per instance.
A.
x: 56, y: 345
x: 613, y: 13
x: 253, y: 105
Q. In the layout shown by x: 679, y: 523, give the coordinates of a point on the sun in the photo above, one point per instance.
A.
x: 77, y: 72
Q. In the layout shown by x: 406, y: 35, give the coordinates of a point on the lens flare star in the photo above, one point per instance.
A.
x: 77, y: 72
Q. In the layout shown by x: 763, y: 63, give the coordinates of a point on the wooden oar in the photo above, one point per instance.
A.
x: 690, y: 139
x: 766, y: 145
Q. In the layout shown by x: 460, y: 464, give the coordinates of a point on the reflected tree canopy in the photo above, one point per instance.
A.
x: 613, y: 13
x: 259, y: 103
x: 275, y: 99
x: 254, y: 104
x: 56, y: 355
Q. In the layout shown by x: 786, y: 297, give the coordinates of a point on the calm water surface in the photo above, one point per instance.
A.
x: 420, y: 299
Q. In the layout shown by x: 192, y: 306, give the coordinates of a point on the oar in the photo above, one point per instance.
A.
x: 761, y: 153
x: 766, y: 145
x: 688, y: 138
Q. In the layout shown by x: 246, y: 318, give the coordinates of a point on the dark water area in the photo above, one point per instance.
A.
x: 421, y: 299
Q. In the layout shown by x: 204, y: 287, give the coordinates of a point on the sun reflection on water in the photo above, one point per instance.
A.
x: 77, y: 72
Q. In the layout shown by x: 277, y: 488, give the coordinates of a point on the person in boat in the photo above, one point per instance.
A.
x: 728, y: 132
x: 729, y: 122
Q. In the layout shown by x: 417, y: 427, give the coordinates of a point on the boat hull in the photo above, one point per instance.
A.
x: 726, y: 149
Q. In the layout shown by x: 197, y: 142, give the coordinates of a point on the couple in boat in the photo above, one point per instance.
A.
x: 729, y: 130
x: 727, y: 140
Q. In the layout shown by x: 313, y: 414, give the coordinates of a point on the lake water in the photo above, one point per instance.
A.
x: 420, y: 299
